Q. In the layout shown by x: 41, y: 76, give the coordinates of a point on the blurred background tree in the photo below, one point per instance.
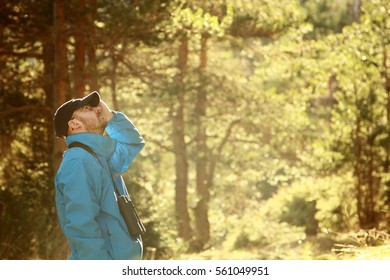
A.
x: 266, y: 123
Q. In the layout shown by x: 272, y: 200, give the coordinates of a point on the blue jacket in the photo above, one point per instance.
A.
x: 85, y: 199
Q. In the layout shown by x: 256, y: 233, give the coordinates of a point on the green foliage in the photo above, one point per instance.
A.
x: 302, y: 213
x: 26, y: 232
x: 265, y: 18
x: 123, y: 17
x: 194, y: 22
x: 330, y: 17
x: 253, y: 230
x: 286, y: 220
x: 313, y: 202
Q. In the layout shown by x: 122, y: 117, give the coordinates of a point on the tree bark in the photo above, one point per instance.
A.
x: 201, y: 209
x: 92, y: 72
x: 80, y: 50
x: 60, y: 71
x: 113, y: 84
x: 179, y: 146
x: 386, y: 76
x: 356, y: 10
x: 364, y: 170
x: 358, y: 173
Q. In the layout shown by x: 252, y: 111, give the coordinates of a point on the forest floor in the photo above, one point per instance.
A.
x: 314, y: 248
x: 364, y: 253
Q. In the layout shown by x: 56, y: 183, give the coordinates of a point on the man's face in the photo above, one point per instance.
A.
x: 91, y: 118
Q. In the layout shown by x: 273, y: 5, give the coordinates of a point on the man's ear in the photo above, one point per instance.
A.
x: 74, y: 124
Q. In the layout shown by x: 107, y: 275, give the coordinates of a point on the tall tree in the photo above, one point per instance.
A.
x: 362, y: 89
x: 179, y: 145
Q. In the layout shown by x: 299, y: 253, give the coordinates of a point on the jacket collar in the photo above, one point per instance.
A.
x: 101, y: 145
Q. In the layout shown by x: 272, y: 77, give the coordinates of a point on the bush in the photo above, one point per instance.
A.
x: 283, y: 223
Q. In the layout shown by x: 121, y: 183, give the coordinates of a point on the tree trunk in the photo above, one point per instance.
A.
x: 50, y: 218
x: 356, y: 10
x: 115, y: 102
x: 48, y: 87
x: 79, y: 67
x: 201, y: 209
x: 179, y: 146
x: 92, y: 73
x: 60, y: 71
x: 364, y: 171
x: 386, y: 165
x: 60, y: 65
x: 358, y: 173
x: 372, y: 183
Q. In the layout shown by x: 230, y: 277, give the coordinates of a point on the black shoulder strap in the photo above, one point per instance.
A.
x: 89, y: 150
x: 85, y: 147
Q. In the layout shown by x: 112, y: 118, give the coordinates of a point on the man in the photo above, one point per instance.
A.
x: 85, y: 198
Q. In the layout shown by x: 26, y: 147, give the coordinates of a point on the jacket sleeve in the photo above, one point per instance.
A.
x: 81, y: 209
x: 129, y: 142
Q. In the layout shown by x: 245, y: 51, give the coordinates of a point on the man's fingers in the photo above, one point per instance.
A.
x: 106, y: 112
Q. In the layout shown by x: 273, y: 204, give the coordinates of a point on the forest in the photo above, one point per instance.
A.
x: 267, y: 123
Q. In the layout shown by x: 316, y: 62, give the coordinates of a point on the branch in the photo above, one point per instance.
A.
x: 227, y: 135
x: 21, y: 55
x: 158, y: 143
x: 28, y: 108
x: 237, y: 140
x: 214, y: 160
x: 136, y: 73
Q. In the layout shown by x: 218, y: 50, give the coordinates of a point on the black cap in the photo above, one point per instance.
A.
x: 64, y: 113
